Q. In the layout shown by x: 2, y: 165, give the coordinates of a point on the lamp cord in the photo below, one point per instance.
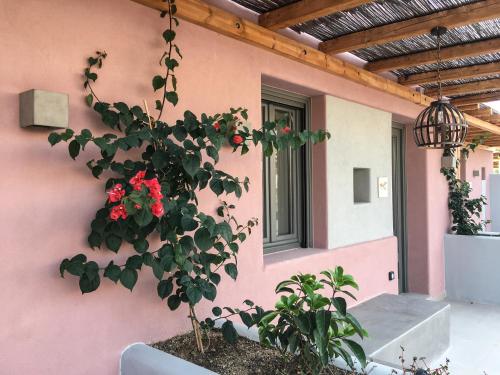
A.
x: 439, y: 65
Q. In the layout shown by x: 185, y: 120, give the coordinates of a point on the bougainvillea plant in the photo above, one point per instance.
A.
x: 155, y: 195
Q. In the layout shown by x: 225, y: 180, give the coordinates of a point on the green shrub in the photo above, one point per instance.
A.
x: 305, y: 321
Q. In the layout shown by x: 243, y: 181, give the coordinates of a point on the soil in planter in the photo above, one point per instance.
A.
x: 246, y: 357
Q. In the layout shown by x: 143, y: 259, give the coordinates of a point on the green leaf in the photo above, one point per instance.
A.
x: 172, y: 97
x: 213, y: 153
x: 158, y: 269
x: 188, y: 223
x: 193, y: 292
x: 54, y: 138
x: 191, y: 164
x: 113, y: 242
x: 169, y: 35
x: 128, y: 278
x: 209, y: 291
x: 97, y: 171
x: 229, y: 333
x: 112, y: 272
x: 94, y: 239
x: 74, y: 149
x: 217, y: 311
x: 203, y: 240
x: 180, y: 132
x: 67, y: 134
x: 159, y: 159
x: 357, y: 350
x: 143, y: 217
x: 246, y: 318
x: 141, y: 245
x: 225, y: 230
x: 216, y: 186
x: 340, y: 305
x: 88, y: 283
x: 171, y: 63
x: 89, y: 99
x: 134, y: 262
x: 158, y: 82
x: 121, y: 107
x: 231, y: 270
x: 173, y: 302
x: 165, y: 288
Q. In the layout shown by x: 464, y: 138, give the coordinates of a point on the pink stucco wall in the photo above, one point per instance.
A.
x: 48, y: 200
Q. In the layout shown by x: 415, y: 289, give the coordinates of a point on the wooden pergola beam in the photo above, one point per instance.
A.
x: 456, y: 17
x: 428, y: 57
x: 228, y: 24
x: 478, y: 98
x: 451, y: 74
x: 305, y: 10
x: 466, y: 88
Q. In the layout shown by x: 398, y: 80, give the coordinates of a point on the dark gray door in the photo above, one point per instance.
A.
x: 399, y: 203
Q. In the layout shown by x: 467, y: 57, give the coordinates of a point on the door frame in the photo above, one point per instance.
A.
x: 403, y: 275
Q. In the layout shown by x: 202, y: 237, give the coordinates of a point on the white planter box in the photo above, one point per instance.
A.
x: 472, y: 266
x: 142, y: 359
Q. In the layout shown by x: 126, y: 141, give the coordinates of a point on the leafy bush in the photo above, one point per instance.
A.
x: 465, y: 211
x: 154, y: 193
x: 305, y: 322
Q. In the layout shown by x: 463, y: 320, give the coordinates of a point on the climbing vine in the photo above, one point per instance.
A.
x: 155, y: 195
x: 465, y: 211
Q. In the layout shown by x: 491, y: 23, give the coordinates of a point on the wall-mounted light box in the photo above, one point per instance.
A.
x: 43, y: 108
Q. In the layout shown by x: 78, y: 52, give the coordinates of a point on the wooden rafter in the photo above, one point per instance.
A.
x: 225, y: 23
x: 481, y: 112
x: 428, y: 57
x: 495, y: 119
x: 456, y: 17
x: 466, y: 88
x: 478, y: 98
x: 451, y: 74
x: 305, y: 10
x: 468, y: 107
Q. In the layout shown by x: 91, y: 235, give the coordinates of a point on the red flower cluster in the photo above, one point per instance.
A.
x: 155, y: 192
x: 237, y: 139
x: 217, y: 126
x: 117, y: 193
x: 118, y: 212
x: 286, y: 130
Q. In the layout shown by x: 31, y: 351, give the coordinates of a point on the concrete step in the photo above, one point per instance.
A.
x: 411, y: 321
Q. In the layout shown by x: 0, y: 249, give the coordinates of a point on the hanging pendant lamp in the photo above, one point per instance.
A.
x: 441, y: 125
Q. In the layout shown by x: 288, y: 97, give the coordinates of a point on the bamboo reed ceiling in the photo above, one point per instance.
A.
x: 386, y: 34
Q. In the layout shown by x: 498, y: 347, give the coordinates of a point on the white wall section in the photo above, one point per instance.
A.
x: 494, y: 202
x: 361, y: 138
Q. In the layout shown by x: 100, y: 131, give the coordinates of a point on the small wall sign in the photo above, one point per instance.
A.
x: 383, y: 187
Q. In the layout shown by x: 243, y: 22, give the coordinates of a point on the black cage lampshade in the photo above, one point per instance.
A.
x: 441, y: 125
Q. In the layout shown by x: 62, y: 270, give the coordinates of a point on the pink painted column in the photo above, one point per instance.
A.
x: 428, y: 219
